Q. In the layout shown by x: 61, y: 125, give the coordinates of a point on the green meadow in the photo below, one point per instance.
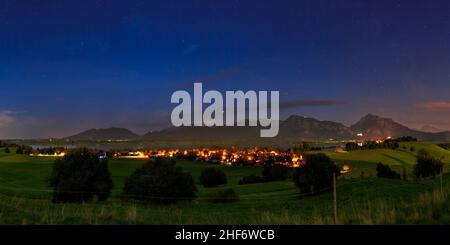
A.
x: 362, y: 198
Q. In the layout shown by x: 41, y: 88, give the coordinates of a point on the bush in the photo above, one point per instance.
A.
x: 211, y: 177
x: 223, y: 196
x: 316, y: 175
x: 273, y: 172
x: 7, y: 150
x: 23, y: 149
x: 427, y: 166
x: 351, y: 146
x: 159, y: 181
x: 251, y: 179
x: 384, y: 171
x: 406, y: 139
x: 80, y: 176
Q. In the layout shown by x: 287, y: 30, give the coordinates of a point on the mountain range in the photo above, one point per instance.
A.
x: 105, y: 134
x: 294, y: 128
x: 431, y: 129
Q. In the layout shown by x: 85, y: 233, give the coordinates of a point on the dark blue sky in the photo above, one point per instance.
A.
x: 67, y: 66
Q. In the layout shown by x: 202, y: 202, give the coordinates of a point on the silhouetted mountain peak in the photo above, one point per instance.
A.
x: 295, y: 117
x: 376, y: 127
x: 431, y: 129
x: 293, y: 129
x: 374, y: 118
x: 113, y: 133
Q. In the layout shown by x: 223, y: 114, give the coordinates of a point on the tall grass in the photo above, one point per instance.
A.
x: 431, y: 207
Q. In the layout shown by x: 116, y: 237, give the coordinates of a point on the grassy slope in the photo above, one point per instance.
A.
x: 364, y: 160
x: 24, y: 196
x: 433, y: 149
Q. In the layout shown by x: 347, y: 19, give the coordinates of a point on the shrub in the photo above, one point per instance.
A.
x: 316, y: 175
x: 273, y: 172
x: 406, y: 139
x: 160, y: 181
x: 351, y: 146
x: 427, y: 166
x: 80, y: 176
x: 384, y: 171
x: 211, y: 177
x: 23, y: 149
x: 7, y: 150
x: 251, y: 179
x: 223, y: 196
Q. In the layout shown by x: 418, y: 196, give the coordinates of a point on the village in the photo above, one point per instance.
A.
x: 228, y: 156
x: 223, y: 156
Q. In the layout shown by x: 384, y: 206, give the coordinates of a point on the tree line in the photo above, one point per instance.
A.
x: 81, y: 176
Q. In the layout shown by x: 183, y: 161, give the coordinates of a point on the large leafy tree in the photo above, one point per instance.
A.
x: 316, y: 174
x: 427, y: 165
x: 211, y: 177
x: 160, y: 181
x: 80, y: 176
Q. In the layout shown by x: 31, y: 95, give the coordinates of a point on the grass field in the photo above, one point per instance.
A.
x: 364, y: 160
x: 25, y: 196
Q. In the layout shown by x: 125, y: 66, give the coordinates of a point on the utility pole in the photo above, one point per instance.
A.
x: 334, y: 199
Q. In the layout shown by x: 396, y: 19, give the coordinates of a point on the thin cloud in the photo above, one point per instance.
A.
x: 6, y: 118
x: 309, y: 103
x: 435, y: 105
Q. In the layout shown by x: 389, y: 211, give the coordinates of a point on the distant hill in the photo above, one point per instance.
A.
x: 105, y: 134
x: 204, y: 134
x: 375, y: 127
x: 293, y: 129
x: 299, y: 127
x: 430, y: 129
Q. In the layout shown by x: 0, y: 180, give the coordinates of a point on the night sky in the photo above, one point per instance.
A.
x: 67, y: 66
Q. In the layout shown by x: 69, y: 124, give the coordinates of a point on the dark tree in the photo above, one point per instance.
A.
x: 274, y: 172
x: 23, y: 149
x: 316, y: 175
x: 427, y: 166
x: 406, y: 139
x: 80, y: 176
x: 211, y: 177
x: 302, y: 147
x: 384, y: 171
x: 7, y: 150
x: 351, y: 146
x: 160, y: 181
